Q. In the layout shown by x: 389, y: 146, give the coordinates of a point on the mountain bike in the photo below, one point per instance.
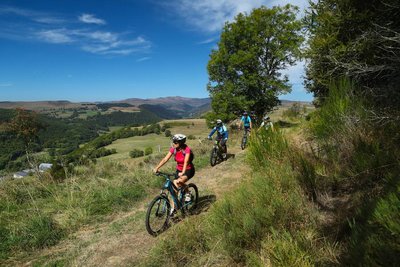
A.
x: 159, y: 211
x: 216, y: 152
x: 244, y: 139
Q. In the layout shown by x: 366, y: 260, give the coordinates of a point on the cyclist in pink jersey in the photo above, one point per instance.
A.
x: 183, y: 157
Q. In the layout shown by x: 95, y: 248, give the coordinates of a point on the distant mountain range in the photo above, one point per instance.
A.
x: 165, y: 107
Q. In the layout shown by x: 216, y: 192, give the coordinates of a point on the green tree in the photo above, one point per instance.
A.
x: 359, y: 40
x: 245, y: 72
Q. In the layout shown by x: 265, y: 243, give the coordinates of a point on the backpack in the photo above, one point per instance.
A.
x: 191, y: 157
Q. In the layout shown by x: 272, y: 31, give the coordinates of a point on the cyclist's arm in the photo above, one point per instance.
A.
x: 163, y: 161
x: 212, y: 132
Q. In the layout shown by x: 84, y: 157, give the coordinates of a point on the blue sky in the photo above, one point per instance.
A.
x: 103, y: 50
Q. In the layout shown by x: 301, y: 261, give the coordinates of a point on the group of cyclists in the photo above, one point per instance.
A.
x: 182, y: 153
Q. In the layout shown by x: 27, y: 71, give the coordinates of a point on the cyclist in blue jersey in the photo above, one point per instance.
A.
x: 246, y: 122
x: 222, y: 135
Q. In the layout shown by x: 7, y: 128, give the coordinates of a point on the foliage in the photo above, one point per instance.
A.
x: 106, y: 106
x: 358, y: 160
x: 161, y: 111
x: 148, y: 151
x: 245, y: 72
x: 58, y: 171
x: 359, y: 40
x: 136, y: 153
x: 168, y: 133
x: 295, y: 111
x: 95, y: 148
x: 191, y: 137
x: 25, y: 125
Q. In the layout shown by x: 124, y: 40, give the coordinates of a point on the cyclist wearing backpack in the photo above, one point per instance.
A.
x: 183, y: 157
x: 246, y: 122
x: 222, y: 135
x: 267, y: 123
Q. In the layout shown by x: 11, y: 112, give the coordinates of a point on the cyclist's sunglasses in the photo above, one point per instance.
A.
x: 175, y: 142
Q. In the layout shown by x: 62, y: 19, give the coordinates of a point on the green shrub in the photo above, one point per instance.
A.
x: 148, y: 151
x: 167, y: 133
x: 375, y: 238
x: 294, y: 111
x: 136, y: 153
x: 191, y: 137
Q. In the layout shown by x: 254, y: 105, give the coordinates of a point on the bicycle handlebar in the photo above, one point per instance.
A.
x: 165, y: 174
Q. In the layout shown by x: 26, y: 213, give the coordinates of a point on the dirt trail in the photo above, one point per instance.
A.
x: 124, y: 241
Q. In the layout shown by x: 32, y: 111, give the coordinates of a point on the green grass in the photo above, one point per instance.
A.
x: 39, y: 213
x: 159, y: 143
x: 265, y: 221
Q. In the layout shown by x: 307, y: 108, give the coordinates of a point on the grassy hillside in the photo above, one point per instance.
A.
x: 90, y: 194
x: 283, y: 201
x: 194, y: 127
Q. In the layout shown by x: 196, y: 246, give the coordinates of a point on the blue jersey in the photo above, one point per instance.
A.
x: 221, y: 130
x: 246, y: 121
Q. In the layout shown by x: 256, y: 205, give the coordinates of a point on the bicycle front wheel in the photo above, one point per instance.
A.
x: 157, y: 215
x: 213, y: 157
x: 244, y: 140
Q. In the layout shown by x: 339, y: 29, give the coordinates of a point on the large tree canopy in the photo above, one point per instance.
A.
x: 358, y: 39
x: 245, y: 72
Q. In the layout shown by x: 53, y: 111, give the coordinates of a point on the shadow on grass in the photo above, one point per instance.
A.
x: 220, y: 160
x: 202, y: 206
x: 204, y: 203
x: 286, y: 124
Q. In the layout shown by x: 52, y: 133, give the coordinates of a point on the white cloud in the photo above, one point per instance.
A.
x: 43, y: 27
x: 106, y: 43
x: 143, y: 59
x: 207, y: 41
x: 59, y: 36
x: 210, y: 15
x: 36, y: 16
x: 91, y: 19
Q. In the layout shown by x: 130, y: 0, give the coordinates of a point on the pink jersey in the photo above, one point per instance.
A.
x: 180, y: 158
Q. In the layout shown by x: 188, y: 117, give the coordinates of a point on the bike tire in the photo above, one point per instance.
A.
x: 157, y: 215
x: 243, y: 145
x: 194, y: 192
x: 213, y: 157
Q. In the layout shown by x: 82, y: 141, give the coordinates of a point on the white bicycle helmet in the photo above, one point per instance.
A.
x: 219, y: 122
x: 180, y: 138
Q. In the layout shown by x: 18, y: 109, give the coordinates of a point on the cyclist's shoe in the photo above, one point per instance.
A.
x: 172, y: 213
x: 188, y: 197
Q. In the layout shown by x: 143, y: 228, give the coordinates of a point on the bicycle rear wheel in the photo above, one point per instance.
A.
x: 191, y: 205
x: 213, y: 157
x: 157, y: 215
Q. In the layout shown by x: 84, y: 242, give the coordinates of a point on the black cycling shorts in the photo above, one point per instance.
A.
x: 189, y: 173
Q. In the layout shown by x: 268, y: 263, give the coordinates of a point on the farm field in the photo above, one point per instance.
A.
x: 159, y: 143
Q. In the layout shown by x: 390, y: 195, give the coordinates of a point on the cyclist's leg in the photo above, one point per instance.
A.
x: 181, y: 180
x: 224, y: 148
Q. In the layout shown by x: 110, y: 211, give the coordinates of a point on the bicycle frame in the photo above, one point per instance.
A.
x: 169, y: 186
